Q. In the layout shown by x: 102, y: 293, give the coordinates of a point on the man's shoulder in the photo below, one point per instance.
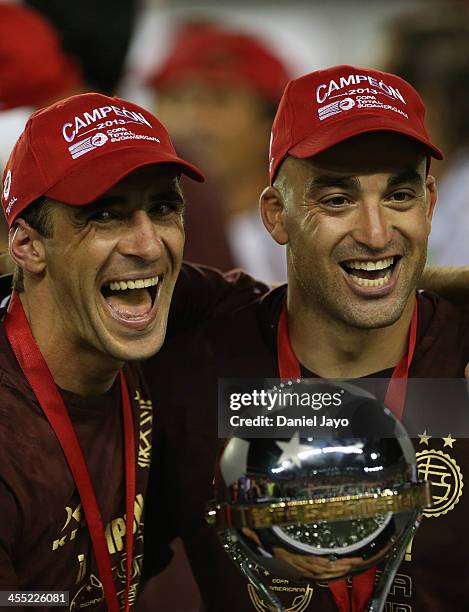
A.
x: 12, y: 381
x: 203, y: 293
x: 447, y: 315
x: 245, y: 329
x: 18, y: 403
x: 443, y: 347
x: 240, y: 344
x: 195, y: 348
x: 26, y: 441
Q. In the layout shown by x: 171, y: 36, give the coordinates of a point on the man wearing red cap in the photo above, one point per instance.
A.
x: 351, y: 196
x: 217, y: 91
x: 34, y: 71
x: 34, y: 68
x: 91, y: 194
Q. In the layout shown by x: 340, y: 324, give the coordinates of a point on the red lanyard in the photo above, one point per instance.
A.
x: 289, y: 368
x: 40, y: 379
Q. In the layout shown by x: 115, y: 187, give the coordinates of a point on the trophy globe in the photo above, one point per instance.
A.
x: 328, y: 507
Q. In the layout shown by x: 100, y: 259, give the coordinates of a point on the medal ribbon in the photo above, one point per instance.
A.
x: 42, y: 383
x: 289, y: 368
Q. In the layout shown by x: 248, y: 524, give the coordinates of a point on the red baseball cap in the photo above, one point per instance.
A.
x: 33, y: 67
x: 323, y: 108
x: 78, y: 148
x: 223, y: 57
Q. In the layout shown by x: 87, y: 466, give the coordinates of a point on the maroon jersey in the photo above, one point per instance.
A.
x: 434, y: 576
x: 44, y: 540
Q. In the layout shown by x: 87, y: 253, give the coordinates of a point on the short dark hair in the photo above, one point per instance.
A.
x: 38, y: 216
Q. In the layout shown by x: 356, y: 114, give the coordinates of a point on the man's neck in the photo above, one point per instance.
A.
x: 74, y: 368
x: 333, y: 349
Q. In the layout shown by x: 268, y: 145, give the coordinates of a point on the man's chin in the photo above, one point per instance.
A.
x: 374, y: 320
x: 136, y: 350
x: 370, y: 324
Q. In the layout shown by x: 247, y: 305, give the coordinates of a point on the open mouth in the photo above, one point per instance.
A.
x: 376, y: 273
x: 132, y: 300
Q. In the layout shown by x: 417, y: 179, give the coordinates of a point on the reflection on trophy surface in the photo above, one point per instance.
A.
x: 321, y: 508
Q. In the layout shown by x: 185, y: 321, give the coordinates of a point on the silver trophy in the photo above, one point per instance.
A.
x: 334, y: 505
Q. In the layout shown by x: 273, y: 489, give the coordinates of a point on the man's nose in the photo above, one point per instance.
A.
x: 141, y: 237
x: 373, y: 227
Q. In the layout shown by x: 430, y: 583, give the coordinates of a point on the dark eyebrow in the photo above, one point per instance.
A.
x: 109, y: 201
x: 102, y: 202
x: 351, y: 182
x: 407, y: 176
x: 327, y: 180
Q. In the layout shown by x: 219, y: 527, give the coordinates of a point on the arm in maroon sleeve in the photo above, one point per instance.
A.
x: 450, y: 283
x: 202, y: 292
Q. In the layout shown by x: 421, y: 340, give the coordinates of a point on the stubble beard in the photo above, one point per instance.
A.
x: 330, y: 301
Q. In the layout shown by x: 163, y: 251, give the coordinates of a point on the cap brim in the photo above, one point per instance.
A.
x: 331, y: 135
x: 93, y: 177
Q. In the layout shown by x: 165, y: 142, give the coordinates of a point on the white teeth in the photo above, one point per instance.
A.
x: 367, y: 282
x: 139, y: 283
x: 381, y: 264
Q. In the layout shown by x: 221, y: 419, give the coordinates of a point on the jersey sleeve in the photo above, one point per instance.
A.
x: 202, y: 292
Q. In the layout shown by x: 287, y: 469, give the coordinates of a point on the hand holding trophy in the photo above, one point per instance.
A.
x: 321, y: 508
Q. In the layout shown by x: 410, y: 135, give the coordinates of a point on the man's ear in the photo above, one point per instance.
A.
x: 432, y: 195
x: 27, y: 247
x: 273, y: 214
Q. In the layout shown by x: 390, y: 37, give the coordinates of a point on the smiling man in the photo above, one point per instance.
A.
x: 91, y: 194
x: 356, y: 218
x: 352, y: 197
